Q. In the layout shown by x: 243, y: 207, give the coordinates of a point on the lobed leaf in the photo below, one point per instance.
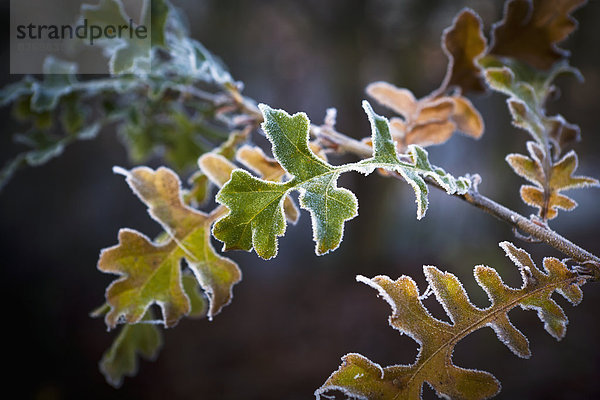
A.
x: 464, y: 43
x: 256, y: 216
x: 130, y: 54
x: 151, y: 271
x: 531, y: 30
x: 546, y: 194
x: 427, y: 121
x: 358, y: 377
x: 121, y: 359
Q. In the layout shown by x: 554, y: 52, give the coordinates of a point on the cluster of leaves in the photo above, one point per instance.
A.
x: 434, y: 118
x: 255, y: 211
x: 522, y: 61
x: 525, y: 70
x: 173, y: 98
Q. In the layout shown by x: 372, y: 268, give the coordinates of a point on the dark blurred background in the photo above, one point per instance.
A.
x: 293, y: 318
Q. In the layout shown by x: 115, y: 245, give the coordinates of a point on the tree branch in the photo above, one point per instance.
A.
x: 345, y: 144
x: 473, y: 197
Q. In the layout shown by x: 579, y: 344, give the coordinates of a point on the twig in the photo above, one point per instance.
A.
x: 473, y: 197
x: 536, y: 232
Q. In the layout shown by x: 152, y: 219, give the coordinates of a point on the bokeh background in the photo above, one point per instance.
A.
x: 294, y: 317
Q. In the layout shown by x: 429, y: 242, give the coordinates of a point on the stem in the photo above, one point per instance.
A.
x: 539, y: 232
x: 473, y: 197
x: 343, y: 143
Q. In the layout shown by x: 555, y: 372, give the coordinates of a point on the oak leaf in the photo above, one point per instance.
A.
x: 546, y: 194
x: 531, y: 30
x: 361, y: 378
x: 151, y: 272
x: 427, y: 121
x: 143, y: 339
x: 464, y: 43
x: 256, y: 217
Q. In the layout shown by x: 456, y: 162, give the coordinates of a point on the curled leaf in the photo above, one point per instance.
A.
x: 427, y: 121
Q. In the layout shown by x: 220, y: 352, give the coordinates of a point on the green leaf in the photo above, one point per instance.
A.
x: 151, y: 272
x: 528, y: 91
x: 130, y: 53
x: 159, y: 13
x: 121, y: 359
x: 256, y: 216
x: 358, y: 377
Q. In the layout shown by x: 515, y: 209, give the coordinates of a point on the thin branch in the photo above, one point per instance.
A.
x: 473, y: 197
x: 342, y: 143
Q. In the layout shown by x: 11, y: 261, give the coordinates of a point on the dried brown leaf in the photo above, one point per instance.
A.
x: 531, y: 30
x: 545, y: 195
x: 463, y: 42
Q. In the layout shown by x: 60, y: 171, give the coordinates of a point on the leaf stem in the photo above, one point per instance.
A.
x: 473, y: 197
x: 345, y: 144
x: 526, y: 225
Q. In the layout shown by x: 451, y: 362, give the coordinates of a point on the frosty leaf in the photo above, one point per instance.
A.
x: 360, y: 378
x: 151, y: 272
x: 59, y: 79
x: 531, y: 30
x: 198, y: 302
x: 427, y: 121
x: 270, y: 170
x: 528, y: 90
x: 159, y: 12
x: 130, y: 53
x: 546, y: 194
x: 139, y: 340
x: 464, y: 43
x: 256, y: 217
x: 217, y: 168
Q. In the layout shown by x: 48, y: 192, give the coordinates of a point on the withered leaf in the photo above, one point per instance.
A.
x: 427, y: 121
x: 463, y: 42
x: 546, y: 194
x: 531, y: 30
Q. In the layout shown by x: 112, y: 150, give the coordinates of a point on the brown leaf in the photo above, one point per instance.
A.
x: 545, y: 195
x: 217, y: 168
x: 401, y: 101
x: 531, y: 30
x: 467, y: 118
x: 427, y: 121
x: 463, y: 42
x: 431, y: 133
